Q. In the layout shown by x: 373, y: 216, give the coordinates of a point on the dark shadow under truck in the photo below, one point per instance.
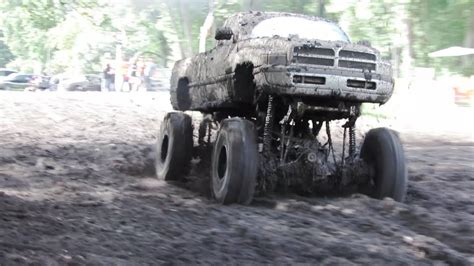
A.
x: 272, y: 85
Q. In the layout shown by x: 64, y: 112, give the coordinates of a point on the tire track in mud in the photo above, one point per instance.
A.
x: 78, y: 187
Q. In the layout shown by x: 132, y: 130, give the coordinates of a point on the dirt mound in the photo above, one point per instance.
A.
x: 77, y: 187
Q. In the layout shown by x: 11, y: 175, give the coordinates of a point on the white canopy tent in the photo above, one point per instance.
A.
x: 452, y: 51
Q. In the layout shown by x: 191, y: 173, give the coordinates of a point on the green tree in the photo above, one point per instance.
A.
x: 5, y: 55
x: 439, y: 24
x: 75, y: 35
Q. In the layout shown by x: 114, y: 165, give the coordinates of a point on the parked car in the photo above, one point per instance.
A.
x: 160, y: 79
x: 4, y: 72
x: 88, y: 82
x: 17, y: 81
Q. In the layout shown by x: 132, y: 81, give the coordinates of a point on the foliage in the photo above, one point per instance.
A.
x: 78, y: 35
x: 440, y: 24
x: 23, y: 65
x: 5, y: 54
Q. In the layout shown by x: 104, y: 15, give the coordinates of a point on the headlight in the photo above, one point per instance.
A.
x: 275, y: 59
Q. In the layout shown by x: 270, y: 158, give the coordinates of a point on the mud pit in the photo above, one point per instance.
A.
x: 77, y: 186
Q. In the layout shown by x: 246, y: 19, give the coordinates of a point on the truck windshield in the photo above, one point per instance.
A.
x: 299, y: 27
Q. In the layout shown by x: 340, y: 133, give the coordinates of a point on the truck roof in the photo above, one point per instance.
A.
x: 244, y: 22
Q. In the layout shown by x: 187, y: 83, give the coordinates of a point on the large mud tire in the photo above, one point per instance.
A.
x: 383, y: 150
x: 174, y: 147
x: 234, y: 162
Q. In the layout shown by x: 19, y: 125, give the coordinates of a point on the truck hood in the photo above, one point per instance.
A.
x: 278, y: 45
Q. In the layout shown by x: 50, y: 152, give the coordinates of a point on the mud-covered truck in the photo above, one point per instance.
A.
x: 271, y: 87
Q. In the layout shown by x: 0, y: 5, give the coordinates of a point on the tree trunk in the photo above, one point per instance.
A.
x: 321, y: 8
x: 467, y: 61
x: 174, y: 18
x: 250, y: 5
x: 407, y: 53
x: 184, y: 13
x: 206, y: 27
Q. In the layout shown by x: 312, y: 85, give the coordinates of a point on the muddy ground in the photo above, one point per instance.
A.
x: 77, y: 187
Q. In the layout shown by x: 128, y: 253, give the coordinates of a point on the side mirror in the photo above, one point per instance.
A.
x: 223, y: 33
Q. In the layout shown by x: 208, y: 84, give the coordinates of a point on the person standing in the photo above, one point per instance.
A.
x: 134, y: 76
x: 148, y: 73
x: 109, y: 78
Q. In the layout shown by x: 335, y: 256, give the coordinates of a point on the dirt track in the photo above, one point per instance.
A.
x: 77, y: 186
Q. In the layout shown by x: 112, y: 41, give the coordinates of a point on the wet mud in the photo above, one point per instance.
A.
x: 77, y: 187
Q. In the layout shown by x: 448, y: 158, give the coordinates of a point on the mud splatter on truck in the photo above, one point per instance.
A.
x: 272, y: 85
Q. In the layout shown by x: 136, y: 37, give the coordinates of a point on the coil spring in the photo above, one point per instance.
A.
x: 352, y: 140
x: 267, y: 139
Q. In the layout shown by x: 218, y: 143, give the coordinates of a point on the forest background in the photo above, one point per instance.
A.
x: 53, y: 36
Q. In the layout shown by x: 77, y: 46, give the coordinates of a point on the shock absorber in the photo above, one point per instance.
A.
x: 352, y: 140
x: 267, y: 138
x: 355, y: 112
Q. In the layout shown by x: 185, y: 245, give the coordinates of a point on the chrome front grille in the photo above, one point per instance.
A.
x: 357, y: 60
x: 313, y: 56
x: 316, y: 61
x: 327, y: 57
x: 356, y: 55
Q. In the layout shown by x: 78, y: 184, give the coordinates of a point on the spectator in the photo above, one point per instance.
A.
x: 109, y: 79
x: 134, y: 76
x: 148, y: 72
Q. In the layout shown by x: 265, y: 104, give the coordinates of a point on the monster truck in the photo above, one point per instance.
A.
x: 271, y: 86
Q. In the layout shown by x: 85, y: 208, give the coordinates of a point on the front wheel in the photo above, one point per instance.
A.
x: 174, y: 147
x: 234, y: 162
x: 383, y: 152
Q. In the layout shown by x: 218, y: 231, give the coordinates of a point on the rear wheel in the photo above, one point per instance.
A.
x: 174, y: 147
x: 234, y: 162
x: 383, y: 152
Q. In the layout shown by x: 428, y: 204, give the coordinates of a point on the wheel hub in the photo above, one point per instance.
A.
x: 222, y: 163
x: 164, y: 148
